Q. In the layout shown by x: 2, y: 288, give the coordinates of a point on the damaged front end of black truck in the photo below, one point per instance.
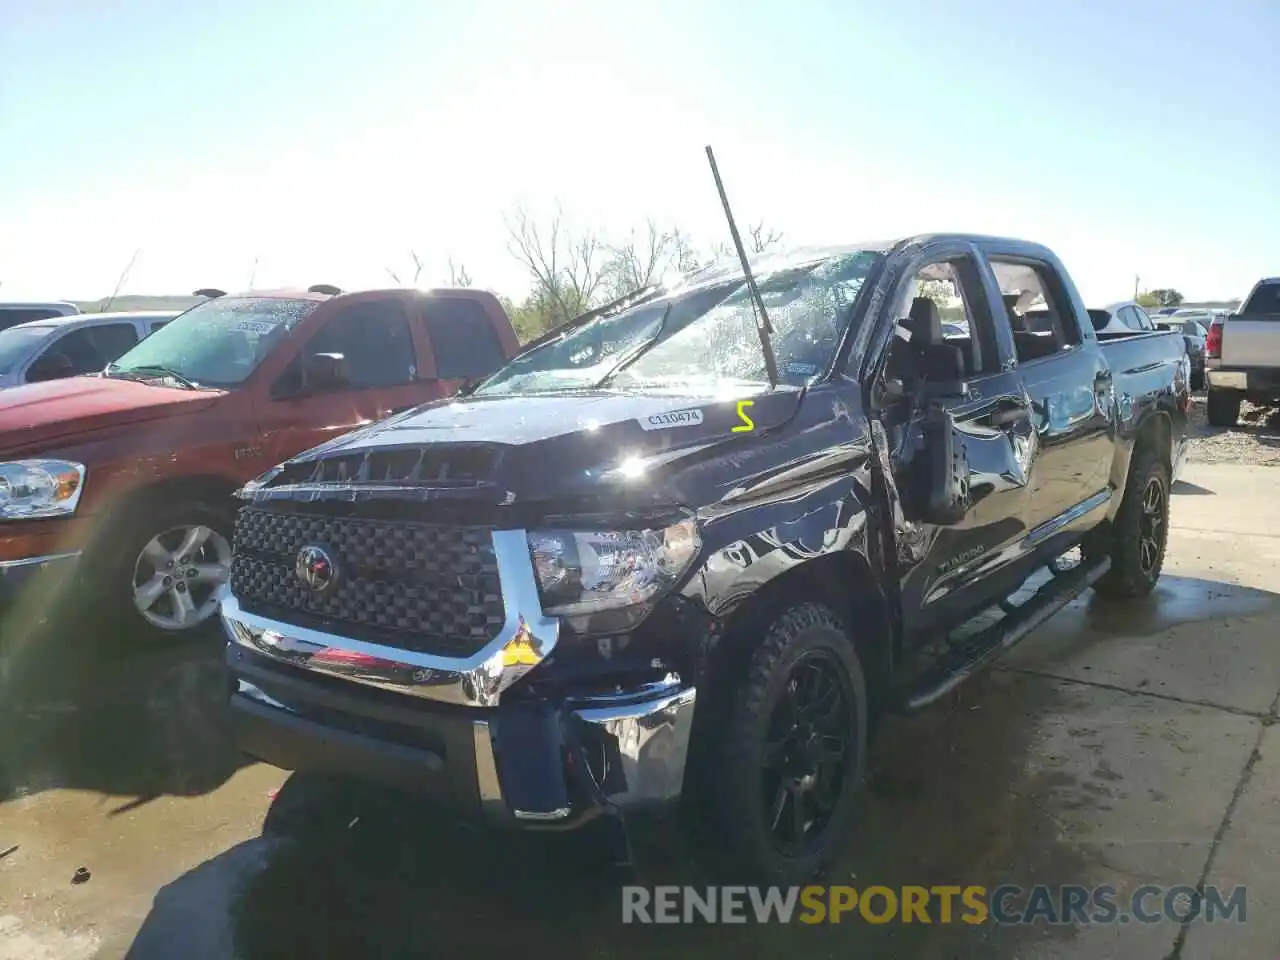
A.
x: 645, y: 561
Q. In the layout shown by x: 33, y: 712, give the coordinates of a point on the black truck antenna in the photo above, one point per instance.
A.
x: 763, y: 327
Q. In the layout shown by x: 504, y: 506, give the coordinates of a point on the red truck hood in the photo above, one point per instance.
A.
x: 40, y: 412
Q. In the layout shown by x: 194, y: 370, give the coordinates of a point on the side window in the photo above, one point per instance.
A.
x: 944, y: 298
x: 1038, y: 312
x: 113, y: 340
x: 1140, y: 316
x: 79, y: 350
x: 375, y: 340
x: 156, y: 325
x: 462, y: 338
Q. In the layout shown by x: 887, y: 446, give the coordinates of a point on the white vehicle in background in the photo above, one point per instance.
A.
x: 12, y: 314
x: 69, y: 345
x: 1123, y: 317
x: 1242, y: 355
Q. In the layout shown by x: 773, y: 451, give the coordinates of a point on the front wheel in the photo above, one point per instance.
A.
x: 1141, y: 530
x: 794, y: 746
x: 168, y: 568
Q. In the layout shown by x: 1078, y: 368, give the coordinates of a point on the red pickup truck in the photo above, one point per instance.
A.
x: 124, y: 478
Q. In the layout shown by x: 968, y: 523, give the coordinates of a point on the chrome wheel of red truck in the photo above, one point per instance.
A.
x: 177, y: 574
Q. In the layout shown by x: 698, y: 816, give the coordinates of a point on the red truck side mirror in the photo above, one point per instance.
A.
x: 324, y: 371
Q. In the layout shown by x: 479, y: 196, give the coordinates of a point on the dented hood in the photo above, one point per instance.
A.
x: 551, y: 446
x: 40, y: 412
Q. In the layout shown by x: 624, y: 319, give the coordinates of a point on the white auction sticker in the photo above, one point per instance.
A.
x: 676, y: 418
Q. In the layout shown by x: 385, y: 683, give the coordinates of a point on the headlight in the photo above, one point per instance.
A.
x: 586, y: 572
x: 30, y: 489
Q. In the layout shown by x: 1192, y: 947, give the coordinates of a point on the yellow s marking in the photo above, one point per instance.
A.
x: 747, y: 423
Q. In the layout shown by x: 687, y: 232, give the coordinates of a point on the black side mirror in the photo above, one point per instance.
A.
x: 943, y: 371
x: 941, y: 495
x: 51, y: 366
x: 324, y: 371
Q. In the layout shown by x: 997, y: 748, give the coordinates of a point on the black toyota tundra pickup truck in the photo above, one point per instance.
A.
x: 694, y: 546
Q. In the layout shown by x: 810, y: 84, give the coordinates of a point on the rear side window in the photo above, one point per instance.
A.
x: 462, y: 338
x: 1264, y: 299
x: 1041, y: 318
x: 113, y: 339
x: 1134, y: 319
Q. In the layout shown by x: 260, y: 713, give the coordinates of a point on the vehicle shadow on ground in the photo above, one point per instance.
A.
x: 952, y: 797
x: 84, y: 705
x: 947, y: 802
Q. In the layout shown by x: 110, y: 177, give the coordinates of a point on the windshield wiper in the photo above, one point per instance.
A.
x: 154, y: 369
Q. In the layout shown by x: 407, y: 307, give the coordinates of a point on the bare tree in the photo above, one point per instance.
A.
x: 636, y: 263
x: 458, y: 276
x: 565, y: 265
x: 684, y: 253
x: 418, y: 267
x: 759, y: 238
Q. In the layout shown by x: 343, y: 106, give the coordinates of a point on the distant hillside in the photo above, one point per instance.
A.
x: 138, y: 302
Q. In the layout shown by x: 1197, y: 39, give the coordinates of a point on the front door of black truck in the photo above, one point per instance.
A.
x: 947, y: 570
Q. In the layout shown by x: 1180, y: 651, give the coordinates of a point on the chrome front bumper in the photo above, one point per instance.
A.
x: 622, y: 750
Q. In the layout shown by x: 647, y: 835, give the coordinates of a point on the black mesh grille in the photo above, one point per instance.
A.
x: 432, y: 589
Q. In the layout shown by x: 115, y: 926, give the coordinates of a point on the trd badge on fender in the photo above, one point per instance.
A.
x: 316, y: 568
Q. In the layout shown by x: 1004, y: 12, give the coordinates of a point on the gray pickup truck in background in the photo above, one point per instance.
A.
x: 1242, y: 355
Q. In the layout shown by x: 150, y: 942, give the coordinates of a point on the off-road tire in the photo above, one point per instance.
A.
x: 1222, y: 407
x: 745, y: 847
x: 1131, y: 575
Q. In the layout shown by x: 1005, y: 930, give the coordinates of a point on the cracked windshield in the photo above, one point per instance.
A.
x: 616, y: 478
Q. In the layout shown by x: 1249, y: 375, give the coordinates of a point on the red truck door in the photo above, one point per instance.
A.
x: 375, y: 336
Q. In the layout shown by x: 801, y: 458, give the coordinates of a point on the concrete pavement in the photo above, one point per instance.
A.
x: 1119, y: 745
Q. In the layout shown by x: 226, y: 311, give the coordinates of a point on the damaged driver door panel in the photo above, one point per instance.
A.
x: 967, y: 551
x: 964, y: 454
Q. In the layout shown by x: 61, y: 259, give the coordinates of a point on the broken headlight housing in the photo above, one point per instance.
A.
x: 35, y: 489
x: 586, y: 572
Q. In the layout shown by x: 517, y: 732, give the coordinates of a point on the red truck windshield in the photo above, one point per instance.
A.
x: 218, y: 343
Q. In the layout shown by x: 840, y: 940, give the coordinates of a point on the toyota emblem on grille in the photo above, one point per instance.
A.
x: 316, y: 568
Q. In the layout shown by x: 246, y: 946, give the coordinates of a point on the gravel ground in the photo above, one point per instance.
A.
x: 1254, y: 440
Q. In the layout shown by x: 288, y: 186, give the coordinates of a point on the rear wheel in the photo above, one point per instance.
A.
x: 1222, y: 407
x: 793, y: 749
x: 1141, y: 529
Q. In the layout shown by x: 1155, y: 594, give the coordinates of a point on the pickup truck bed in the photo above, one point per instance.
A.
x: 558, y: 597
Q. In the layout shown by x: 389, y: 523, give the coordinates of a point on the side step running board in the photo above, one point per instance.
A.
x: 985, y: 647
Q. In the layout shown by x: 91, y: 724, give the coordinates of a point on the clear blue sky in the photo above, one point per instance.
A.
x: 325, y: 139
